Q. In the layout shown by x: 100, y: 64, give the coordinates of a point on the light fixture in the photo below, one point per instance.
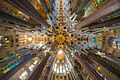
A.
x: 29, y: 39
x: 60, y: 52
x: 5, y: 38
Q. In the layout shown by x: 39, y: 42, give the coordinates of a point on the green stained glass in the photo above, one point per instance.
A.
x: 98, y: 1
x: 4, y: 59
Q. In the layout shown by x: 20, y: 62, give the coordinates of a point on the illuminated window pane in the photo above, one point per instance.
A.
x: 23, y: 75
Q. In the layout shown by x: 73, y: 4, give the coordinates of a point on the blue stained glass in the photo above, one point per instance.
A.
x: 119, y: 40
x: 13, y: 55
x: 111, y: 41
x: 13, y: 66
x: 22, y: 51
x: 26, y: 56
x: 93, y: 37
x: 21, y: 60
x: 93, y: 41
x: 118, y: 44
x: 91, y: 3
x: 115, y: 44
x: 116, y: 39
x: 22, y: 35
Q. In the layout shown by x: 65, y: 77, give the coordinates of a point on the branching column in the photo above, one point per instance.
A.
x: 38, y: 71
x: 108, y: 8
x: 26, y: 7
x: 91, y: 72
